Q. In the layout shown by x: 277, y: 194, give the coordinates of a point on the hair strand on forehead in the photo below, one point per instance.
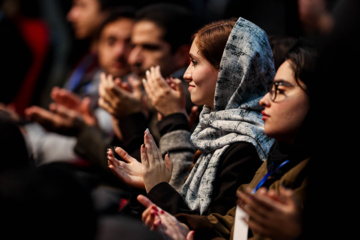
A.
x: 211, y: 40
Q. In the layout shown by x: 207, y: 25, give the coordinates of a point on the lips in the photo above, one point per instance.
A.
x: 265, y: 116
x: 191, y: 86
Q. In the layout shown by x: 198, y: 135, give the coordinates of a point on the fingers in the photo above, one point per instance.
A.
x: 106, y: 87
x: 248, y: 203
x: 151, y: 217
x: 64, y: 97
x: 39, y: 114
x: 157, y: 79
x: 155, y: 83
x: 144, y: 201
x: 124, y: 155
x: 179, y: 87
x: 153, y: 153
x: 112, y: 161
x: 62, y: 110
x: 144, y: 160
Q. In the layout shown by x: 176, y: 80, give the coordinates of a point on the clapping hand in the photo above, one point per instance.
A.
x: 121, y: 99
x: 274, y: 215
x: 156, y: 170
x: 66, y: 115
x: 130, y: 170
x: 167, y: 96
x: 163, y: 222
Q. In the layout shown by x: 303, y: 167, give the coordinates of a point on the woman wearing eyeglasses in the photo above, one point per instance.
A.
x: 271, y: 207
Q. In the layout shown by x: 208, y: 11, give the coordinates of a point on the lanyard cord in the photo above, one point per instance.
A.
x: 267, y: 175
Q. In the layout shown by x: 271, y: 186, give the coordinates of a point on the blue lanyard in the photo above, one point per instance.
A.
x: 267, y: 175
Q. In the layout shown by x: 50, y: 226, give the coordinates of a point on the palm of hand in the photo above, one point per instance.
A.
x: 130, y: 170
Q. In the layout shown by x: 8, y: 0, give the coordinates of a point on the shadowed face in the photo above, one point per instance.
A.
x: 149, y: 49
x: 114, y: 47
x: 85, y: 17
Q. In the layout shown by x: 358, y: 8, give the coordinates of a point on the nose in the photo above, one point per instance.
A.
x: 187, y: 75
x: 120, y: 49
x: 265, y: 100
x: 135, y: 56
x: 71, y: 15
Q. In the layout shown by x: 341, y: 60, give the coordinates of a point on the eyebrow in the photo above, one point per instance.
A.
x: 282, y: 81
x: 194, y: 57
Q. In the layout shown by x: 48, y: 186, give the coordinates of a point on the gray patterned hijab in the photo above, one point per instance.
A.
x: 246, y: 69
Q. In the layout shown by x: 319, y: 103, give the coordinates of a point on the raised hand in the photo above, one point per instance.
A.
x: 156, y: 170
x: 118, y: 98
x: 167, y: 96
x: 274, y: 215
x: 163, y: 222
x: 130, y: 170
x: 61, y: 119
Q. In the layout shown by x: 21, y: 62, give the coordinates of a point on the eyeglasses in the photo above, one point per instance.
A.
x: 276, y: 93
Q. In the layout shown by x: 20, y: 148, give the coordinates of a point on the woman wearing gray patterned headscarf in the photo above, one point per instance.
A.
x: 230, y: 134
x: 231, y: 67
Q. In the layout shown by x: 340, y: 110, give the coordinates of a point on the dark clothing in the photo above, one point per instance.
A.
x: 237, y: 166
x: 13, y: 67
x: 293, y: 175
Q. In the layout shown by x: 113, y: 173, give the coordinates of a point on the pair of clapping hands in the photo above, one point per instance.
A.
x: 167, y: 96
x: 122, y: 99
x: 66, y: 115
x: 145, y: 175
x: 152, y: 170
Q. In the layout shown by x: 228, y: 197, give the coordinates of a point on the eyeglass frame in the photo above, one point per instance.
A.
x: 273, y: 92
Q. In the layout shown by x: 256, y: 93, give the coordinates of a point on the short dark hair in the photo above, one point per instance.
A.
x: 106, y: 5
x: 176, y: 21
x: 116, y: 14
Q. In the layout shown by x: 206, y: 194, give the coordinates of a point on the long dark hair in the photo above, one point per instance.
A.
x: 303, y: 58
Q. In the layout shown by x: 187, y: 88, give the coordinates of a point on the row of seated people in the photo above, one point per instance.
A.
x: 253, y: 130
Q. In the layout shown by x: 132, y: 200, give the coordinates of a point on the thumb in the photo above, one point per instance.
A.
x: 144, y: 201
x: 190, y: 235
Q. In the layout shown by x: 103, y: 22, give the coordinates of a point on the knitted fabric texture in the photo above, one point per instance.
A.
x: 246, y: 70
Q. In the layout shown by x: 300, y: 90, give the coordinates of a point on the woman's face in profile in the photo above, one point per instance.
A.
x: 202, y: 77
x: 285, y: 105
